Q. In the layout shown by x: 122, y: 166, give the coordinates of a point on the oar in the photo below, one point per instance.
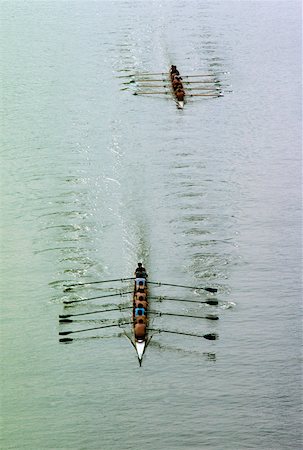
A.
x: 188, y: 95
x: 65, y: 333
x: 217, y: 88
x: 95, y: 298
x: 167, y: 73
x: 220, y: 94
x: 65, y: 316
x: 67, y: 286
x: 142, y: 73
x: 212, y: 88
x: 208, y: 289
x: 84, y: 320
x: 211, y: 302
x: 203, y: 82
x: 208, y: 316
x: 209, y: 336
x: 215, y: 81
x: 151, y: 93
x: 204, y: 75
x: 184, y: 81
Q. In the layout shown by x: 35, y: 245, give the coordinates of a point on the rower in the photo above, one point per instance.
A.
x: 140, y: 329
x: 179, y: 93
x: 140, y: 296
x: 139, y: 312
x: 140, y: 285
x: 140, y: 304
x: 176, y: 83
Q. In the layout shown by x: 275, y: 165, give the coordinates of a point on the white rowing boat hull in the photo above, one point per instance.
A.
x: 140, y: 347
x: 180, y: 104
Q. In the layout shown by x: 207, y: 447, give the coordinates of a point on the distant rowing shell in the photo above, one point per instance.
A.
x: 179, y: 103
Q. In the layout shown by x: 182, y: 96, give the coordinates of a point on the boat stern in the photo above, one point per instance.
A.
x: 140, y: 348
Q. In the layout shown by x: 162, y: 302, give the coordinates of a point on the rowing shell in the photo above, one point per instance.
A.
x: 179, y: 103
x: 140, y: 311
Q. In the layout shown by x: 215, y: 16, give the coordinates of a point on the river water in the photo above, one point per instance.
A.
x: 95, y: 179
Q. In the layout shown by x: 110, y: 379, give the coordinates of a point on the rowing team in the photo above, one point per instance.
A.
x: 140, y: 304
x: 177, y: 83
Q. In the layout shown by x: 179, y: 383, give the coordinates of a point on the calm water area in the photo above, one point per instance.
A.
x: 94, y: 179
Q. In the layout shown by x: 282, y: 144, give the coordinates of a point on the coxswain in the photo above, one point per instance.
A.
x: 140, y: 272
x: 174, y: 71
x: 179, y: 93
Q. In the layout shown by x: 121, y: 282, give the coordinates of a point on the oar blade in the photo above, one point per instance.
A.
x: 65, y: 333
x: 210, y: 289
x: 67, y: 289
x: 211, y: 336
x: 66, y: 340
x: 211, y: 302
